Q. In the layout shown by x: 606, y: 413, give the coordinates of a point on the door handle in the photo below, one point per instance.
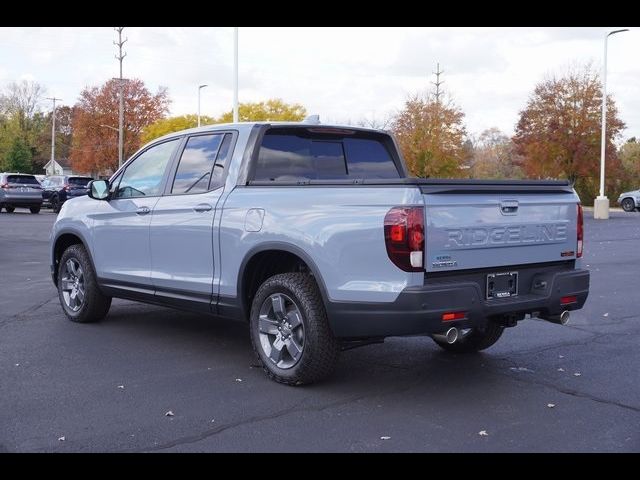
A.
x: 143, y: 210
x: 202, y: 207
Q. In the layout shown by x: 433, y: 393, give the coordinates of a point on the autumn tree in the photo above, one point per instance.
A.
x: 272, y: 110
x: 558, y: 133
x: 95, y: 120
x: 431, y: 135
x: 493, y: 156
x: 173, y: 124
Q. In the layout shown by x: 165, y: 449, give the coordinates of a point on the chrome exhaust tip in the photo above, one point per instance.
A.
x: 450, y: 336
x: 561, y: 319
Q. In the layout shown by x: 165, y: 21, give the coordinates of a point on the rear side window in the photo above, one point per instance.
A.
x: 23, y: 179
x: 293, y: 154
x: 79, y: 181
x: 201, y: 164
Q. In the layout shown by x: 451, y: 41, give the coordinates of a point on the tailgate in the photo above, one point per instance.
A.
x: 483, y: 228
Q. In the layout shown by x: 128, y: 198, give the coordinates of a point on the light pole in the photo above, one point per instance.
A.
x: 200, y: 87
x: 601, y: 203
x: 235, y: 75
x: 53, y: 129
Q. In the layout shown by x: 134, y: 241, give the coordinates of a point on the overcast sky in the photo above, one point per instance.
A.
x: 341, y: 73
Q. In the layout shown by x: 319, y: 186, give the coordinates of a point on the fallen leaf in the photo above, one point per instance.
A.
x: 551, y: 405
x: 17, y: 364
x: 605, y: 315
x: 61, y: 439
x: 385, y: 438
x: 561, y: 369
x: 520, y: 369
x: 213, y: 420
x: 169, y: 414
x: 560, y: 356
x: 483, y: 433
x: 577, y: 374
x: 121, y: 387
x: 238, y: 379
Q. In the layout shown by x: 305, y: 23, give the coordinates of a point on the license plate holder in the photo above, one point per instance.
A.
x: 502, y: 285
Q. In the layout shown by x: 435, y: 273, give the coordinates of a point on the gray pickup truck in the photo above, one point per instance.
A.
x: 317, y: 237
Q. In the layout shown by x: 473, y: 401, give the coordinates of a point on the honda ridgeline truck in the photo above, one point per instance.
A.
x: 317, y: 236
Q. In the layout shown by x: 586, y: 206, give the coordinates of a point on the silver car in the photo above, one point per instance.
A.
x: 630, y: 201
x: 20, y: 190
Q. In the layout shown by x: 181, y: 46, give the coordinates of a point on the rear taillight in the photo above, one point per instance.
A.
x: 580, y: 234
x: 404, y: 237
x: 4, y: 186
x: 67, y: 187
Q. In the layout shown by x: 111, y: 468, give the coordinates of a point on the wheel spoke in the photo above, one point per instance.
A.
x: 294, y: 319
x: 67, y: 284
x: 80, y: 295
x: 277, y: 301
x: 268, y: 326
x: 276, y: 350
x: 72, y: 267
x: 294, y: 349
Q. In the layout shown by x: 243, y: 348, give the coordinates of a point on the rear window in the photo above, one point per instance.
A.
x: 80, y: 181
x: 23, y: 179
x: 297, y: 153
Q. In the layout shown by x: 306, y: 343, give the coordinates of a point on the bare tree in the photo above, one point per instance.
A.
x: 22, y: 99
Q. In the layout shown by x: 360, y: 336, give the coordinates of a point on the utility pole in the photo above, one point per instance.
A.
x: 235, y: 75
x: 120, y: 56
x: 437, y: 83
x: 53, y: 129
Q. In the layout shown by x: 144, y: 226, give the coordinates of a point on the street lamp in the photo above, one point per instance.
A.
x: 199, y: 89
x: 601, y: 203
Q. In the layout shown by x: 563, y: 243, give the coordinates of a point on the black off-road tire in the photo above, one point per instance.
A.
x: 96, y: 305
x: 321, y: 349
x: 475, y: 341
x: 34, y: 210
x: 9, y: 209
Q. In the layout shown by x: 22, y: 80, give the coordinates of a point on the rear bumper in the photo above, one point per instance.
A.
x: 418, y: 310
x: 19, y: 201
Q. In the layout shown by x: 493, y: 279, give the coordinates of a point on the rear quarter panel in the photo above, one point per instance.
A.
x: 340, y: 229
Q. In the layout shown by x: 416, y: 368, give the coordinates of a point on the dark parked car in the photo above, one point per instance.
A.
x: 59, y: 188
x: 20, y: 190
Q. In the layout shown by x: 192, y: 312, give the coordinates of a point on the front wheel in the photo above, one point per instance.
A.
x: 475, y: 340
x: 628, y: 205
x: 80, y: 297
x: 290, y: 332
x: 35, y: 209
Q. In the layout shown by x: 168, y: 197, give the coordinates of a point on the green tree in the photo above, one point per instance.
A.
x: 272, y: 110
x: 19, y: 157
x: 173, y: 124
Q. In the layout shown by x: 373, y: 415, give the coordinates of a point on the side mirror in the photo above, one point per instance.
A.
x: 99, y: 189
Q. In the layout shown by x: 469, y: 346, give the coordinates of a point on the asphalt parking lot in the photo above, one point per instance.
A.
x: 108, y: 386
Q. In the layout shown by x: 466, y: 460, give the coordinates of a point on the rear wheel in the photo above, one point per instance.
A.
x: 55, y: 204
x: 80, y: 297
x: 290, y: 332
x: 35, y: 209
x: 475, y: 340
x: 9, y: 209
x: 628, y: 205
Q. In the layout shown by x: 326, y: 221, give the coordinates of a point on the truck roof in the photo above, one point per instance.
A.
x: 243, y: 126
